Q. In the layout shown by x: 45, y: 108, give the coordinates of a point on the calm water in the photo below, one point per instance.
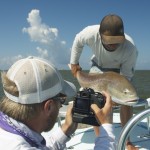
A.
x: 141, y: 81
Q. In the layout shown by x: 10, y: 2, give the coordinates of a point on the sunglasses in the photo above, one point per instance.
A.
x: 60, y: 97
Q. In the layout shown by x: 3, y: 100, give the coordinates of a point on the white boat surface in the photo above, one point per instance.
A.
x: 83, y: 138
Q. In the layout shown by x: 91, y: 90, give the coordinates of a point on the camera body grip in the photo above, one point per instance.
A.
x: 82, y: 112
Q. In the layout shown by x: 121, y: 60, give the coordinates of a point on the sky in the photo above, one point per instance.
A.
x: 47, y: 28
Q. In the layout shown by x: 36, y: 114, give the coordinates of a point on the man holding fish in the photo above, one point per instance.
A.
x: 113, y: 50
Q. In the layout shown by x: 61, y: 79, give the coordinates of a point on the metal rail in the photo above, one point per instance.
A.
x: 130, y: 125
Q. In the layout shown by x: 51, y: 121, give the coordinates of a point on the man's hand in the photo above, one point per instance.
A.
x: 69, y: 126
x: 75, y: 68
x: 103, y: 115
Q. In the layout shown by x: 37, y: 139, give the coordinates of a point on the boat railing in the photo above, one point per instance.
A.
x: 130, y: 126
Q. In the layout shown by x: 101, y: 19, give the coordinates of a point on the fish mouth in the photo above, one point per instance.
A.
x: 131, y: 103
x: 127, y: 102
x: 133, y: 100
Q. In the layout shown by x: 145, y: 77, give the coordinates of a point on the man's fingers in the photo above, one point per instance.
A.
x: 75, y: 68
x: 108, y: 103
x: 95, y: 108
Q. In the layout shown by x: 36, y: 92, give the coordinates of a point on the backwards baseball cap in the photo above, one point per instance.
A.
x: 37, y: 80
x: 112, y: 30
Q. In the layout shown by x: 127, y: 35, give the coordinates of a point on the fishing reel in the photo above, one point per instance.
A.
x: 82, y: 112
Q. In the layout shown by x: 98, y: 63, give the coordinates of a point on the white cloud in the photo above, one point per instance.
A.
x: 8, y: 61
x: 50, y: 46
x: 42, y: 52
x: 48, y: 38
x: 38, y: 31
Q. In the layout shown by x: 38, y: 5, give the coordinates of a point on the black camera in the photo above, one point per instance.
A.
x: 82, y: 112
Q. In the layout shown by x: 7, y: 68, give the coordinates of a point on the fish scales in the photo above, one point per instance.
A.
x: 121, y: 90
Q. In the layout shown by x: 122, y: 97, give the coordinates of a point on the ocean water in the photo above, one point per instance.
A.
x: 141, y: 82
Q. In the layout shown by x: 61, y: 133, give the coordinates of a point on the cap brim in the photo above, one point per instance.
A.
x: 69, y: 89
x: 112, y: 39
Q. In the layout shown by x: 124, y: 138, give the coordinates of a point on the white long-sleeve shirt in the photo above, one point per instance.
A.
x: 106, y: 139
x: 56, y: 141
x: 10, y: 141
x: 123, y: 58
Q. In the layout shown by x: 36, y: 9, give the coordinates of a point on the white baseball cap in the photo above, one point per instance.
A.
x: 37, y: 80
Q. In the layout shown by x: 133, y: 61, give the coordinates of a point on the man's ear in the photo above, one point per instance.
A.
x: 48, y: 105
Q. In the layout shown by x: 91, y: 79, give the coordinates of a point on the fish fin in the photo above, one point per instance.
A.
x: 69, y: 65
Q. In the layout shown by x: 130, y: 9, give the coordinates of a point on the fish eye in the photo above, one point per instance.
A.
x: 126, y: 91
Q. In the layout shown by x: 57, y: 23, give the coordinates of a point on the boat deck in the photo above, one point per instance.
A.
x: 83, y: 139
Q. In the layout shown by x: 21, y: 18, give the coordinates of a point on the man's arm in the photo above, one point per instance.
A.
x: 86, y: 37
x: 129, y: 59
x: 106, y: 139
x: 57, y: 140
x: 128, y: 67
